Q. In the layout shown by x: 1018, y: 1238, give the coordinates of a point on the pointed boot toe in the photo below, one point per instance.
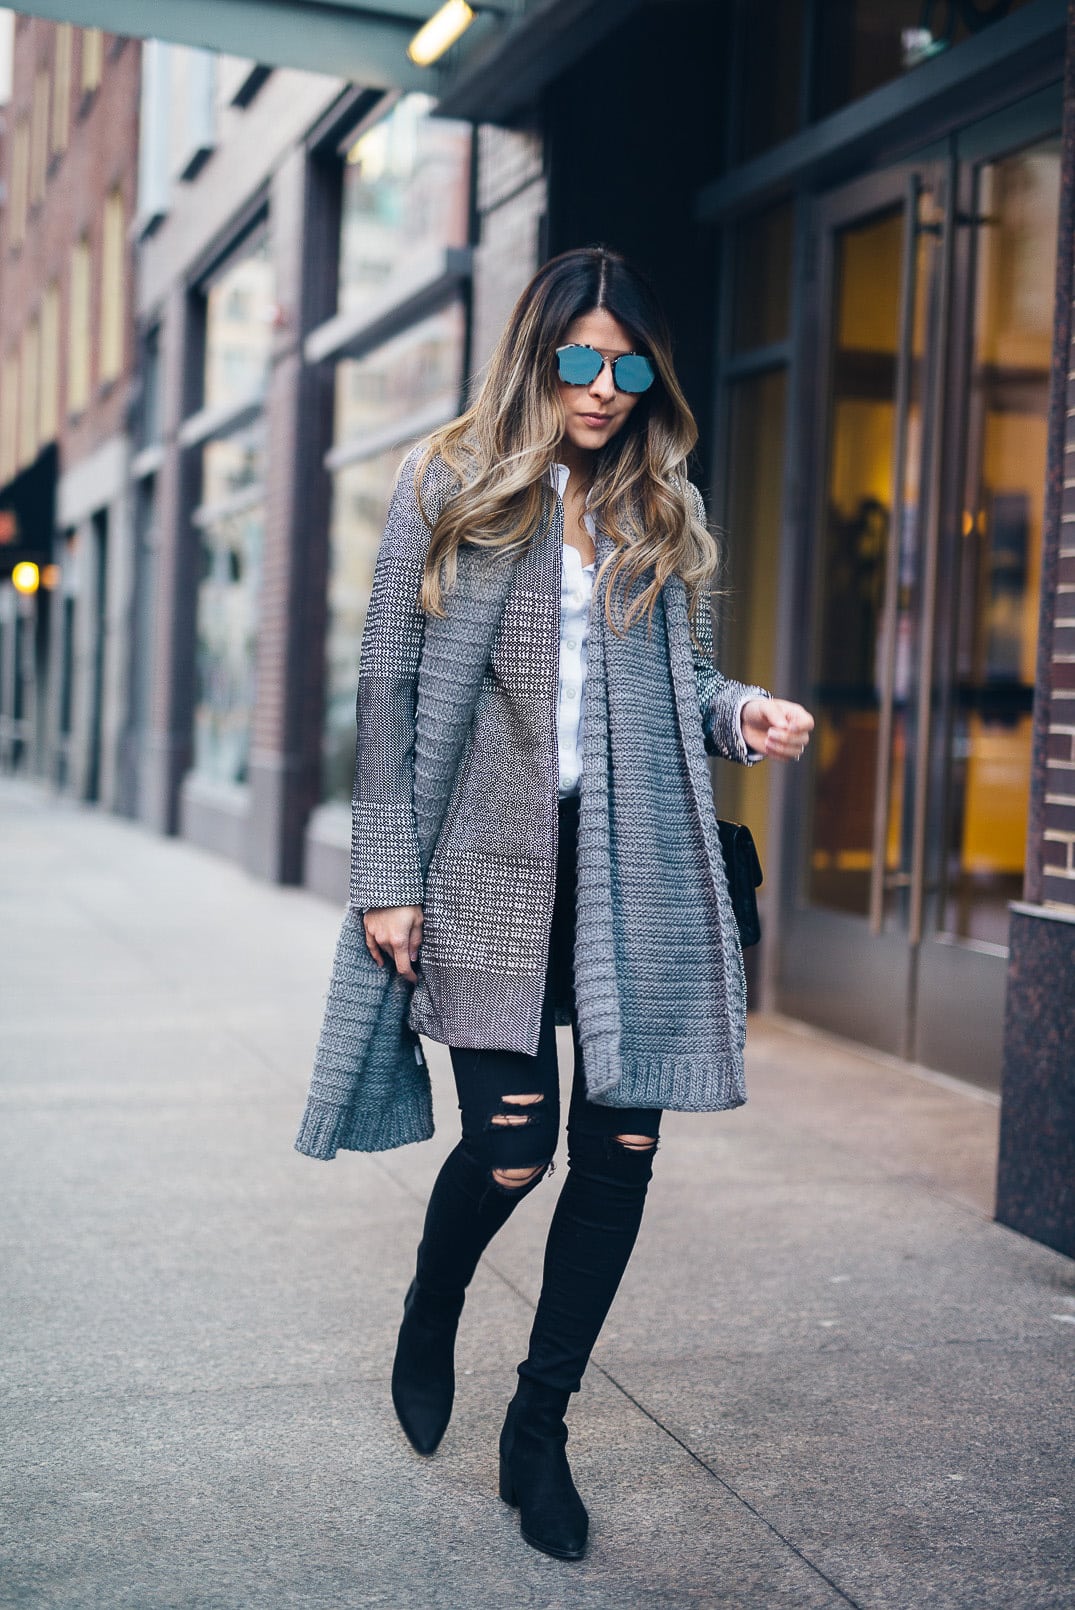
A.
x: 423, y: 1374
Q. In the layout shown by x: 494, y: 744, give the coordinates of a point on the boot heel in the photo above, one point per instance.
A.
x: 507, y: 1490
x: 535, y: 1477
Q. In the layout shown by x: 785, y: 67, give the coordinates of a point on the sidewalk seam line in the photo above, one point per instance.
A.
x: 698, y: 1460
x: 723, y: 1482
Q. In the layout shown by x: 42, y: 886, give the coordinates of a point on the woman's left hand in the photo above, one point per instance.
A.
x: 776, y: 728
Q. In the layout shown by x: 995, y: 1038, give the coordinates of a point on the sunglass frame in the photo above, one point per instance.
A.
x: 584, y: 346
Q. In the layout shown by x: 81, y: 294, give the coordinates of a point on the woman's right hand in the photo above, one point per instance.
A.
x: 395, y: 933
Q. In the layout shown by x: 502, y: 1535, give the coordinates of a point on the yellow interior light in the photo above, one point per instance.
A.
x: 440, y: 32
x: 50, y: 577
x: 25, y: 577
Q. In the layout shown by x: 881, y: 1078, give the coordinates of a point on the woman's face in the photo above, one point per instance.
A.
x: 596, y: 412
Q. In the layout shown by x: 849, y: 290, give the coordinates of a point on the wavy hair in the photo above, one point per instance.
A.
x: 500, y: 450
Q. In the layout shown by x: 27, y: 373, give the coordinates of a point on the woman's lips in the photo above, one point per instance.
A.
x: 596, y: 419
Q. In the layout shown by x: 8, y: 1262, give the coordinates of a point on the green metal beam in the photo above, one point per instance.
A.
x: 363, y: 42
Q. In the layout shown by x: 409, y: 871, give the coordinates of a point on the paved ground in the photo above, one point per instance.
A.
x: 829, y: 1378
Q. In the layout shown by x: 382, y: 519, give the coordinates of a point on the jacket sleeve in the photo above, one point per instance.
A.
x: 720, y: 698
x: 385, y: 865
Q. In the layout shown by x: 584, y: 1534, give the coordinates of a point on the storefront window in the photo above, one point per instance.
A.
x: 419, y: 369
x: 227, y: 630
x: 232, y: 519
x: 233, y: 464
x: 238, y: 328
x: 406, y: 192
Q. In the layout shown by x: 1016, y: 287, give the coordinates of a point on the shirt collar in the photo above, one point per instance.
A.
x: 559, y: 475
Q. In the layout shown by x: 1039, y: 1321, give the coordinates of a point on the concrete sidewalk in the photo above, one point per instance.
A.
x: 828, y: 1379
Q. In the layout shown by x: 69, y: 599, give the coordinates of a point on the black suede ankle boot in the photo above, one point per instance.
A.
x: 535, y: 1475
x: 423, y: 1375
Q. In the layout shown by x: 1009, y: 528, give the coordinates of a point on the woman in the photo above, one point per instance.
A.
x: 534, y: 838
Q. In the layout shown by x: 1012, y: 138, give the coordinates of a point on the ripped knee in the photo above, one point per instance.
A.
x: 623, y: 1160
x: 516, y: 1120
x: 514, y: 1180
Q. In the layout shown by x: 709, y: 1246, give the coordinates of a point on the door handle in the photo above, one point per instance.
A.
x: 889, y: 613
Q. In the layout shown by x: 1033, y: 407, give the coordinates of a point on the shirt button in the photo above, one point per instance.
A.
x: 572, y: 693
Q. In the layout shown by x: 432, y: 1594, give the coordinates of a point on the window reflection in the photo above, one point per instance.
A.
x: 1000, y: 546
x: 238, y: 328
x: 226, y: 637
x: 233, y: 464
x: 859, y: 499
x: 420, y: 368
x: 406, y: 192
x: 232, y: 531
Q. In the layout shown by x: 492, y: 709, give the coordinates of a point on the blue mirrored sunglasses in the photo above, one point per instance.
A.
x: 580, y: 366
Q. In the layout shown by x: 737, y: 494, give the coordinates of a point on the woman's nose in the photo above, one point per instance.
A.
x: 603, y: 384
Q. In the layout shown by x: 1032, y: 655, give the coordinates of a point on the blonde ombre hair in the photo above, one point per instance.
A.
x: 500, y: 450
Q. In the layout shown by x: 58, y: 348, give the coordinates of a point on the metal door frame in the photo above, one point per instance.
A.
x: 827, y: 971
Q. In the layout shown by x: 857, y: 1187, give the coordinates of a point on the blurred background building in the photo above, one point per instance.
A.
x: 858, y: 213
x: 66, y: 348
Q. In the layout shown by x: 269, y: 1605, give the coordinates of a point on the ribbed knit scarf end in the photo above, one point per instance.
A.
x: 700, y: 1083
x: 326, y: 1128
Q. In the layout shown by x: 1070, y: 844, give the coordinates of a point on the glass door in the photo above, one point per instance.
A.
x: 925, y: 464
x: 977, y: 750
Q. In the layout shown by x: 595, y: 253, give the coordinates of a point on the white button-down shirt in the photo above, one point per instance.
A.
x: 576, y: 590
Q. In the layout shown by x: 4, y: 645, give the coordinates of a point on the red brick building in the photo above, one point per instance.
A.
x: 66, y: 349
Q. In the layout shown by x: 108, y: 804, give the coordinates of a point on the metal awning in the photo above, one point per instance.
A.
x: 361, y: 40
x: 505, y: 58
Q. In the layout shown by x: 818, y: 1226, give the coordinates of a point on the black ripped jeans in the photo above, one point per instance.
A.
x: 599, y: 1210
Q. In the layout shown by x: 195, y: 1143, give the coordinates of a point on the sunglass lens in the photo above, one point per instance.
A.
x: 578, y: 365
x: 634, y: 373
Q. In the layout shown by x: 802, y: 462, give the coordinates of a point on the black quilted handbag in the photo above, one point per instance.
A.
x: 743, y: 870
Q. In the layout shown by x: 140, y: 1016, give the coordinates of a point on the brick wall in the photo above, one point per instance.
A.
x: 1051, y: 861
x: 101, y: 155
x: 1058, y: 812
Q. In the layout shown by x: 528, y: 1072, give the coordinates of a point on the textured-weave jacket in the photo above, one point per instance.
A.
x: 455, y: 810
